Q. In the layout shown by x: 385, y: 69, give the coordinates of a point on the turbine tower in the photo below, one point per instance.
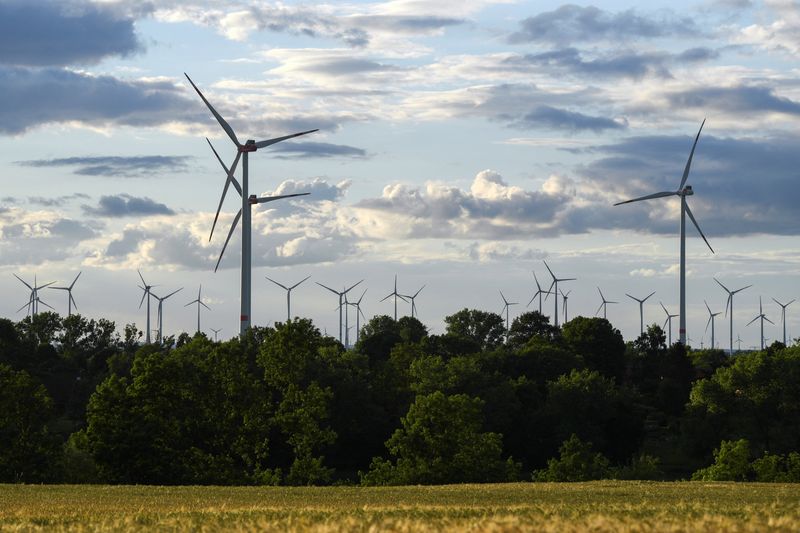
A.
x: 161, y: 312
x: 682, y: 192
x: 413, y: 302
x: 396, y: 296
x: 199, y: 302
x: 729, y: 304
x: 783, y: 316
x: 603, y: 305
x: 506, y: 305
x: 641, y: 309
x: 566, y: 300
x: 248, y: 201
x: 762, y: 317
x: 711, y: 317
x: 668, y: 321
x: 739, y: 342
x: 33, y: 298
x: 340, y: 295
x: 554, y: 286
x: 359, y: 313
x: 216, y: 332
x: 539, y: 292
x: 288, y: 295
x: 146, y: 294
x: 70, y: 299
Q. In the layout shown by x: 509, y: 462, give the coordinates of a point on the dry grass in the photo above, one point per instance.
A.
x: 599, y: 506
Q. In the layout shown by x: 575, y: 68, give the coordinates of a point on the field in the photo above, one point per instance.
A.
x: 597, y: 506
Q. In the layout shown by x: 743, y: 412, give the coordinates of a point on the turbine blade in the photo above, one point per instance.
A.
x: 265, y: 199
x: 743, y: 288
x: 51, y: 307
x: 504, y: 298
x: 326, y: 287
x: 537, y: 282
x: 352, y: 287
x: 225, y: 125
x: 549, y: 292
x: 756, y: 318
x: 598, y: 310
x: 696, y: 225
x: 648, y: 197
x: 76, y: 279
x: 532, y: 299
x: 74, y: 303
x: 24, y: 306
x: 419, y: 291
x: 707, y: 307
x: 548, y: 269
x: 386, y: 297
x: 145, y: 293
x: 269, y: 142
x: 721, y: 285
x: 228, y: 171
x: 142, y: 278
x: 707, y: 324
x: 233, y: 227
x: 649, y: 295
x: 228, y: 181
x: 298, y: 283
x: 728, y: 302
x: 276, y: 283
x: 204, y: 305
x: 23, y: 281
x: 664, y: 308
x: 691, y: 155
x: 765, y: 318
x: 172, y: 293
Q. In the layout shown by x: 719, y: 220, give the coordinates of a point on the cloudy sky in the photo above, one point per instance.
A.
x: 460, y: 144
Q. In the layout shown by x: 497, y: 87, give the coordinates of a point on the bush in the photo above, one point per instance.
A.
x: 778, y: 468
x: 731, y: 463
x: 642, y: 467
x: 576, y: 463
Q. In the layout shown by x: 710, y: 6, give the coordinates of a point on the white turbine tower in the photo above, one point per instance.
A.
x: 739, y: 342
x: 604, y: 304
x: 341, y: 296
x: 565, y: 296
x: 288, y: 295
x: 359, y: 313
x: 554, y: 286
x: 762, y: 318
x: 641, y: 309
x: 783, y: 316
x: 161, y: 312
x: 70, y: 299
x: 146, y: 294
x: 729, y: 304
x: 248, y: 201
x: 506, y: 305
x: 33, y: 298
x: 216, y: 332
x: 711, y: 317
x: 539, y: 292
x: 413, y: 301
x: 396, y: 296
x: 682, y: 192
x: 199, y: 302
x: 668, y: 321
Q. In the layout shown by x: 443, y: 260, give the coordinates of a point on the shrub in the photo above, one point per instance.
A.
x: 576, y: 463
x: 731, y: 463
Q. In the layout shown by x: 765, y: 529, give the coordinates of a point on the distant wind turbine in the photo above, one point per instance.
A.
x: 641, y: 309
x: 711, y: 317
x: 248, y: 201
x: 762, y: 317
x: 783, y: 316
x: 668, y: 321
x: 604, y: 304
x: 288, y: 295
x: 216, y: 332
x: 359, y: 313
x: 70, y: 299
x: 729, y: 305
x: 413, y: 298
x: 539, y: 292
x: 554, y: 287
x: 682, y: 192
x: 146, y: 294
x: 506, y: 306
x: 739, y: 342
x: 161, y: 312
x: 565, y: 296
x: 341, y: 296
x: 199, y: 302
x: 396, y: 296
x: 33, y: 298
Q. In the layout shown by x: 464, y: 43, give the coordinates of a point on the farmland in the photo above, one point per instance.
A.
x: 592, y: 506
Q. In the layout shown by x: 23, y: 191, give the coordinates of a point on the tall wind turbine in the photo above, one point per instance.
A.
x: 711, y: 317
x: 554, y: 286
x: 199, y: 302
x: 341, y: 296
x: 539, y: 292
x: 506, y: 305
x: 783, y: 316
x: 33, y: 298
x: 147, y: 293
x: 641, y: 309
x: 729, y: 304
x: 288, y: 295
x: 668, y: 321
x: 682, y: 192
x: 359, y: 313
x: 216, y: 332
x: 413, y: 301
x: 762, y: 318
x: 396, y: 296
x: 70, y: 299
x: 248, y: 201
x: 161, y: 312
x: 603, y: 305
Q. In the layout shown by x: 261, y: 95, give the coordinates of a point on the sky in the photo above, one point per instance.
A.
x: 460, y: 144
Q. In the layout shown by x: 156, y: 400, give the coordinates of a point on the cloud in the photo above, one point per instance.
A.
x: 56, y: 201
x: 550, y: 117
x: 51, y: 33
x: 319, y: 189
x: 125, y: 205
x: 318, y: 149
x: 738, y: 100
x: 570, y: 23
x: 34, y: 97
x: 778, y: 28
x: 116, y: 166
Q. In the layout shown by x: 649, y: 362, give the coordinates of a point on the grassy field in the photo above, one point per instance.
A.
x: 597, y: 506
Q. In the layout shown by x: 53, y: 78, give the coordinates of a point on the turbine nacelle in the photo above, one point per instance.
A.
x: 687, y: 191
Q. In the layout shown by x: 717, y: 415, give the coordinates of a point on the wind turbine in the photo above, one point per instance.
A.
x: 566, y: 300
x: 248, y: 201
x: 539, y: 292
x: 288, y: 295
x: 641, y: 309
x: 357, y: 305
x: 33, y: 298
x: 506, y: 305
x: 216, y: 332
x: 146, y: 294
x: 711, y: 317
x: 413, y: 302
x: 70, y: 299
x: 199, y: 302
x: 729, y: 304
x: 668, y: 321
x: 161, y: 312
x: 603, y: 305
x: 783, y: 316
x: 739, y: 342
x: 683, y: 191
x: 396, y: 296
x: 762, y: 317
x: 340, y: 295
x: 554, y: 286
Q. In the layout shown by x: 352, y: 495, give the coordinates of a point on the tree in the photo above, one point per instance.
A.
x: 484, y: 330
x: 731, y: 463
x: 599, y: 344
x: 529, y: 325
x: 576, y: 462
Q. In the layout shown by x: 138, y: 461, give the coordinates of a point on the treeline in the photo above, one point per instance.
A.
x: 287, y: 405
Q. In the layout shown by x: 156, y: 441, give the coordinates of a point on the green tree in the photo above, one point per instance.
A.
x: 599, y: 344
x: 576, y: 462
x: 485, y: 331
x: 529, y: 325
x: 731, y: 463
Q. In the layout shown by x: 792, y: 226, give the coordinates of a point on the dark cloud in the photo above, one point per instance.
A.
x: 571, y: 23
x: 348, y: 66
x: 117, y: 166
x: 741, y: 99
x: 551, y: 117
x: 315, y: 149
x: 406, y: 23
x: 125, y: 205
x: 34, y: 97
x: 51, y: 33
x: 57, y: 200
